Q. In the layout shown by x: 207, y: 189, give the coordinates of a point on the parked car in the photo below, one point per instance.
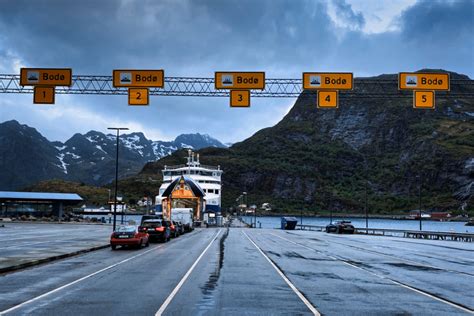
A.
x: 147, y: 217
x: 155, y: 229
x: 128, y: 236
x: 340, y: 227
x: 173, y: 231
x: 180, y: 227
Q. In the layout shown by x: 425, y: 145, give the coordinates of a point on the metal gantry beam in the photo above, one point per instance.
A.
x: 204, y: 87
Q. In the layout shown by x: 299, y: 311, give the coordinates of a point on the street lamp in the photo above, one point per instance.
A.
x: 366, y: 200
x: 118, y: 129
x: 419, y: 197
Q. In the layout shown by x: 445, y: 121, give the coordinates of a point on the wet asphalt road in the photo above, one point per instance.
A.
x: 333, y: 274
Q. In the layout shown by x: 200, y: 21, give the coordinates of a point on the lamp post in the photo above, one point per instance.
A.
x: 419, y: 198
x: 301, y: 215
x: 118, y: 129
x: 366, y: 200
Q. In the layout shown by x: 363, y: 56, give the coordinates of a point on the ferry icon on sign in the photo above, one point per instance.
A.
x: 125, y: 77
x: 32, y: 76
x: 411, y: 81
x: 227, y: 80
x: 315, y: 81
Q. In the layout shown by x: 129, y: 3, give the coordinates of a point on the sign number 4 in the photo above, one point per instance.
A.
x: 328, y: 99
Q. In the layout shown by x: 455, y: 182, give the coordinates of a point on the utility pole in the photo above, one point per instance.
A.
x: 118, y: 129
x: 366, y: 198
x: 419, y: 198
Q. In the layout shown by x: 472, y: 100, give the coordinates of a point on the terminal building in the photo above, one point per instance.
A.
x: 37, y: 204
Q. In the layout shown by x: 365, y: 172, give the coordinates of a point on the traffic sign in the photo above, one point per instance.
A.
x: 240, y: 98
x: 43, y: 95
x: 139, y: 78
x: 423, y: 99
x: 328, y: 80
x: 328, y: 99
x: 423, y: 81
x: 239, y: 80
x: 138, y: 96
x: 46, y: 77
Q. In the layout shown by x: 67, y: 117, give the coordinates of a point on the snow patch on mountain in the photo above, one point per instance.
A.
x: 63, y: 165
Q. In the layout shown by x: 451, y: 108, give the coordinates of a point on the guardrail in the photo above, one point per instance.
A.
x: 464, y: 237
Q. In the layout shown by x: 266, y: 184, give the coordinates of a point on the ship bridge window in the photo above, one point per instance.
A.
x: 217, y: 191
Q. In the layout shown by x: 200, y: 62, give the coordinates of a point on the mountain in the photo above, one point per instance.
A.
x: 27, y: 157
x: 320, y: 159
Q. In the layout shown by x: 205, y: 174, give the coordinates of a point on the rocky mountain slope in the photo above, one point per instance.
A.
x: 320, y: 159
x: 27, y: 157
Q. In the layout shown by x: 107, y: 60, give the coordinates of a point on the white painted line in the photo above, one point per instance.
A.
x: 297, y: 292
x: 384, y: 277
x: 180, y: 284
x: 74, y: 282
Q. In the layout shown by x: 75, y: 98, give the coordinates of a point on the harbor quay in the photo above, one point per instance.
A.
x: 232, y: 270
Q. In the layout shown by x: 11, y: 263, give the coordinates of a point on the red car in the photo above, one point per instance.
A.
x: 128, y: 236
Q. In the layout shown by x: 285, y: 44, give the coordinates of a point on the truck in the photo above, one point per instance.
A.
x: 183, y: 215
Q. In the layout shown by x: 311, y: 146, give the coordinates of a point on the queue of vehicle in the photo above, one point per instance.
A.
x: 152, y: 228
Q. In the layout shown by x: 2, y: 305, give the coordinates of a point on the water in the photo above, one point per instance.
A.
x: 274, y: 222
x: 458, y: 227
x: 127, y: 219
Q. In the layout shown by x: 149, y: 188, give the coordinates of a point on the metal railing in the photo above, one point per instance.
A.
x: 464, y: 237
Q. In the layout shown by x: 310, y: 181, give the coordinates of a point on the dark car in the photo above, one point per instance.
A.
x: 340, y: 227
x: 179, y: 227
x: 156, y: 230
x: 173, y: 231
x: 128, y: 236
x: 147, y: 217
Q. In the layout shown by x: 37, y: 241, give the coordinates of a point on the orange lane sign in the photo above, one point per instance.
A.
x: 328, y: 81
x: 423, y: 99
x: 138, y: 96
x: 423, y: 81
x: 43, y: 95
x: 45, y: 77
x: 139, y: 78
x: 239, y: 80
x: 240, y: 98
x: 328, y: 99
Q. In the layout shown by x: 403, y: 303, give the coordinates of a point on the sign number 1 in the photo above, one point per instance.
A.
x: 43, y: 95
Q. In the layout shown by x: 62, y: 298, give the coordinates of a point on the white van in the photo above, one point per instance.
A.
x: 183, y: 215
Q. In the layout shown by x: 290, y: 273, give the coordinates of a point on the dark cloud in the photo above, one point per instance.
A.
x: 440, y: 21
x: 355, y: 20
x: 196, y: 38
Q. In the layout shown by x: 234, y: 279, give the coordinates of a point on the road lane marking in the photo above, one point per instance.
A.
x: 416, y: 263
x: 74, y: 282
x: 293, y: 287
x: 180, y: 284
x: 440, y: 299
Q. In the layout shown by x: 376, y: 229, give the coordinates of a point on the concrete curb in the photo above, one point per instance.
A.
x: 50, y: 259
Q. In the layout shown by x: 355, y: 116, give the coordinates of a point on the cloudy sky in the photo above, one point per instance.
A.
x: 198, y: 37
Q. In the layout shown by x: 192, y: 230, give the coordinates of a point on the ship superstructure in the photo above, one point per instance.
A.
x: 207, y: 177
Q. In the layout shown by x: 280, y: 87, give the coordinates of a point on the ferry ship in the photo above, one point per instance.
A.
x: 208, y: 178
